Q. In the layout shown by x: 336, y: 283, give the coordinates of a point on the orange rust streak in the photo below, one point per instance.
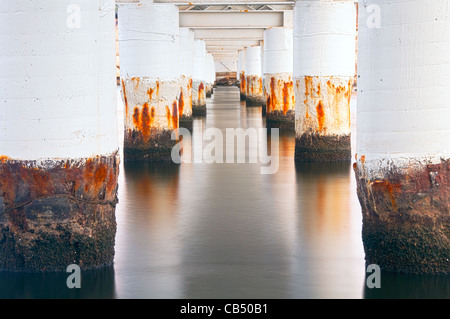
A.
x: 175, y: 115
x: 200, y: 89
x: 136, y: 117
x: 125, y: 99
x: 287, y: 90
x: 136, y: 81
x: 181, y: 103
x: 150, y: 93
x: 4, y: 158
x: 320, y: 115
x: 388, y: 188
x: 273, y: 95
x: 146, y: 121
x: 143, y: 121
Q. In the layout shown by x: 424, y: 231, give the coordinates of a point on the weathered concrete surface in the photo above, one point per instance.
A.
x: 243, y: 86
x: 54, y: 213
x: 254, y: 94
x: 198, y: 98
x: 406, y: 216
x: 323, y: 121
x: 151, y: 114
x: 185, y: 102
x: 280, y: 100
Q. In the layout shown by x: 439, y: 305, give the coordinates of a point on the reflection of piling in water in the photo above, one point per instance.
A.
x: 59, y: 162
x: 150, y: 79
x: 324, y: 68
x: 403, y: 159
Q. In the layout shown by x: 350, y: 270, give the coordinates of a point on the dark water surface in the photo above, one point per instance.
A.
x: 199, y: 230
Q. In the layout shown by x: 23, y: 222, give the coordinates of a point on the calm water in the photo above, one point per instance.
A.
x: 226, y: 231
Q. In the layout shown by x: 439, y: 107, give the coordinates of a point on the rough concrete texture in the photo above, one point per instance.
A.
x: 243, y: 86
x: 322, y: 118
x: 151, y: 115
x: 254, y: 96
x: 54, y: 213
x: 185, y: 103
x: 280, y: 100
x: 406, y: 216
x: 198, y: 98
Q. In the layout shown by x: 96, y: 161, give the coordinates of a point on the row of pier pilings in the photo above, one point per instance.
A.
x: 59, y: 160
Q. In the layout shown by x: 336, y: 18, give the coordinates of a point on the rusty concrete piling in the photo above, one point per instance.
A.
x: 150, y: 78
x: 186, y: 68
x: 241, y: 75
x: 278, y: 78
x: 210, y: 75
x: 253, y: 73
x: 324, y: 69
x: 198, y: 77
x: 59, y: 144
x: 402, y: 164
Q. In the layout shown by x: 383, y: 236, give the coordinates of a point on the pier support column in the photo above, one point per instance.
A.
x: 241, y: 75
x: 403, y: 136
x: 186, y: 67
x: 58, y: 135
x: 209, y: 74
x: 278, y: 81
x: 150, y: 76
x: 324, y: 69
x: 198, y: 77
x: 253, y: 75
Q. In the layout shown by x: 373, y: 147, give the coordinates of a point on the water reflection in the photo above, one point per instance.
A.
x: 200, y: 230
x: 147, y: 243
x: 410, y: 286
x: 95, y: 284
x: 328, y: 257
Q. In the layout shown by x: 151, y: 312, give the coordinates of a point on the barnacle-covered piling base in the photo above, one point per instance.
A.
x: 54, y: 213
x: 406, y: 217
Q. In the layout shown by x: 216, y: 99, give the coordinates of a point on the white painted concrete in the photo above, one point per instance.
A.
x: 149, y: 38
x: 253, y: 61
x: 199, y: 71
x: 241, y: 62
x: 186, y: 51
x: 324, y: 38
x: 57, y: 79
x: 404, y: 84
x: 278, y: 51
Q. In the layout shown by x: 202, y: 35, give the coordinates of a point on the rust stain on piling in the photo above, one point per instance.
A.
x: 143, y: 121
x: 125, y: 99
x: 281, y: 97
x: 201, y: 88
x: 136, y: 81
x: 172, y: 115
x: 320, y: 115
x: 150, y: 93
x: 387, y: 189
x: 181, y: 103
x: 4, y: 158
x: 243, y: 83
